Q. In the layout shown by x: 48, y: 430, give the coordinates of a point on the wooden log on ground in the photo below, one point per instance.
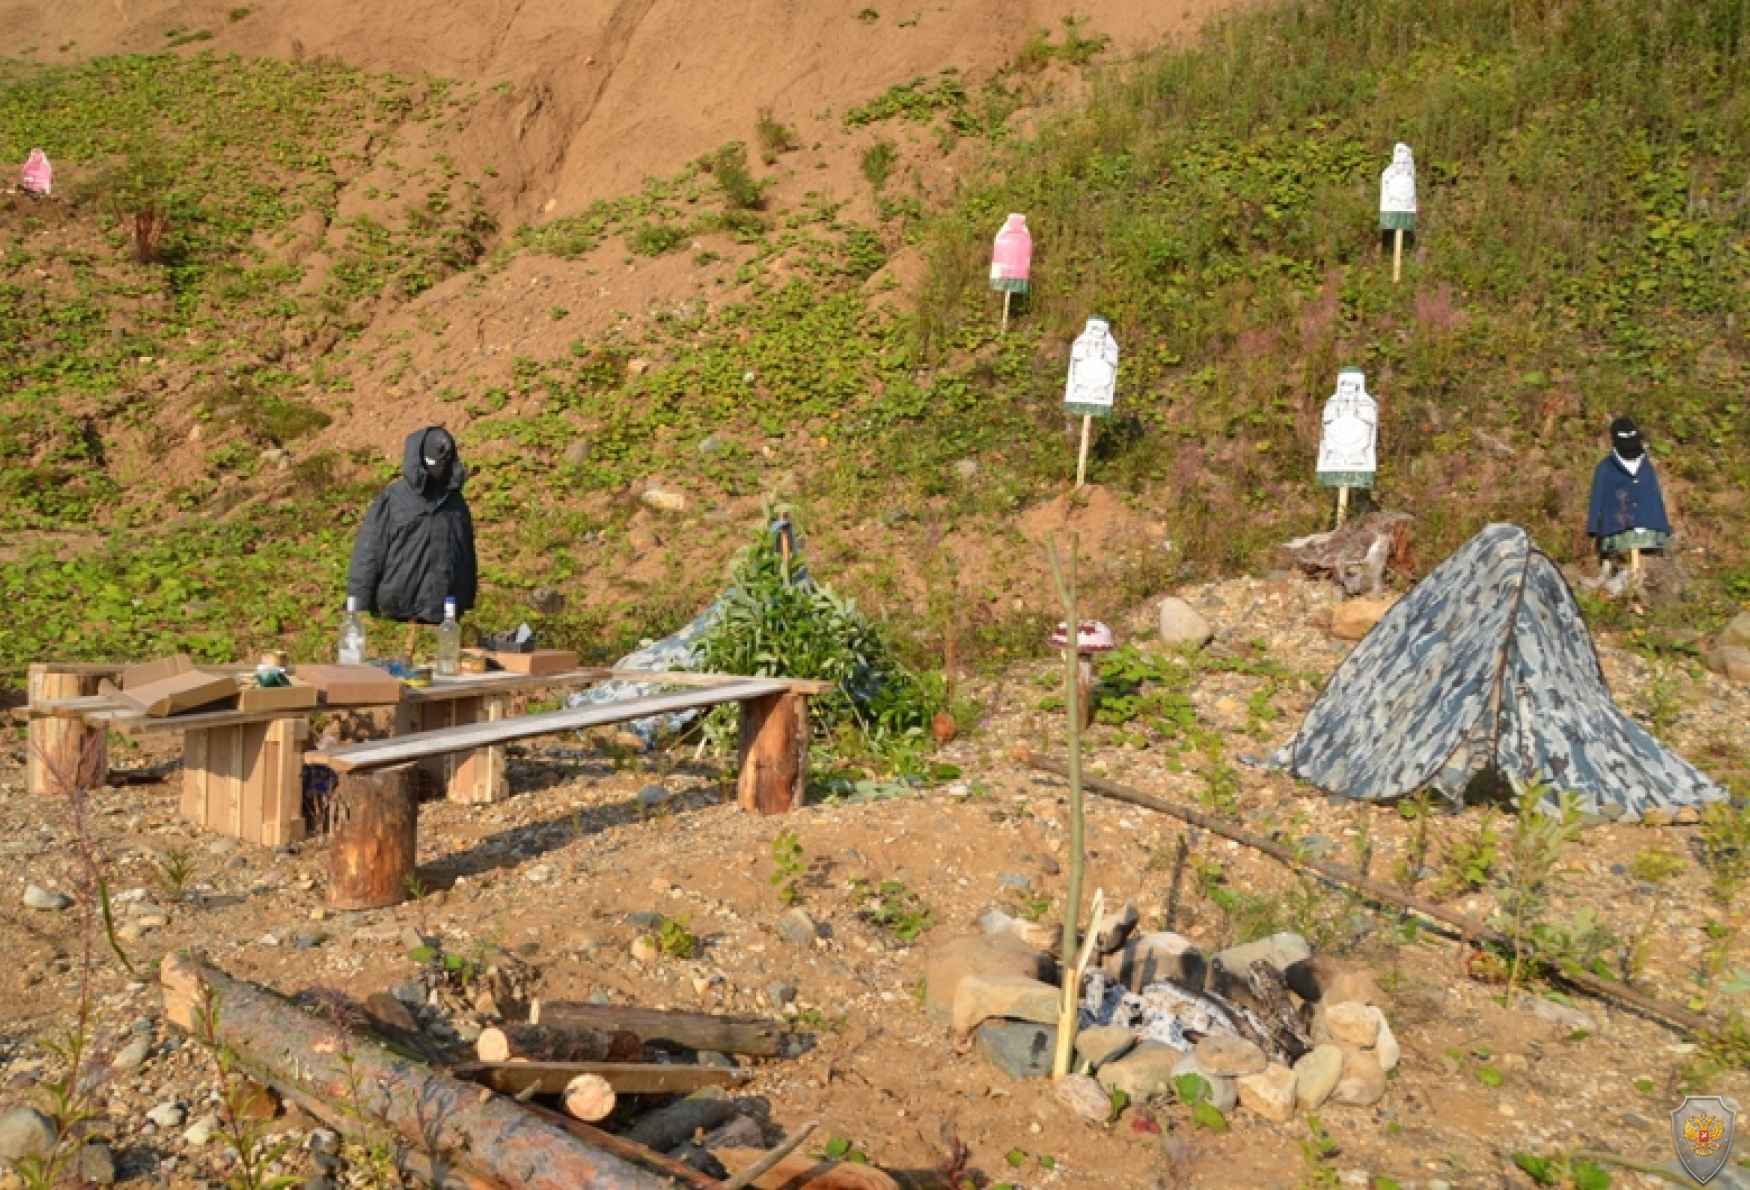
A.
x: 374, y: 840
x: 800, y: 1172
x: 1468, y: 927
x: 669, y: 1127
x: 627, y: 1078
x: 590, y: 1098
x: 557, y: 1043
x: 432, y: 1112
x: 774, y: 753
x: 752, y: 1036
x: 626, y: 1150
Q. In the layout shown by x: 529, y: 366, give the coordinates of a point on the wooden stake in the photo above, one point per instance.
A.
x: 1007, y: 294
x: 375, y: 839
x: 1397, y: 254
x: 1342, y: 505
x: 412, y: 639
x: 1066, y: 592
x: 1634, y: 564
x: 1082, y: 455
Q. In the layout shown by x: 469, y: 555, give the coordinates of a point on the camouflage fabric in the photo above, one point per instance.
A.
x: 1486, y: 664
x: 1634, y: 539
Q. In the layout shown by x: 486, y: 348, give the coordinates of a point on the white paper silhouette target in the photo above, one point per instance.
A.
x: 1349, y: 446
x: 1397, y: 192
x: 1093, y: 372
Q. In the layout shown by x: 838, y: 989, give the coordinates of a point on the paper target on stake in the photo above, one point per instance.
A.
x: 1093, y: 372
x: 1397, y: 192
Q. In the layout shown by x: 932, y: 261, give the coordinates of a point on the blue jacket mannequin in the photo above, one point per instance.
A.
x: 1627, y: 510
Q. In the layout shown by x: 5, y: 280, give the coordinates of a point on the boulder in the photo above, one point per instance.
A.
x: 1084, y: 1098
x: 25, y: 1132
x: 94, y: 1164
x: 1232, y: 966
x: 1735, y: 635
x: 1354, y: 618
x: 1733, y: 664
x: 1100, y: 1044
x: 1386, y: 1048
x: 1182, y: 625
x: 1316, y: 1076
x: 1322, y: 979
x: 1353, y: 1024
x: 979, y: 998
x: 1227, y: 1056
x: 1038, y: 935
x: 1157, y: 958
x: 1018, y: 1049
x: 1224, y: 1094
x: 796, y: 926
x: 1363, y: 1082
x: 1144, y: 1072
x: 1270, y: 1093
x: 997, y: 954
x: 1567, y: 1019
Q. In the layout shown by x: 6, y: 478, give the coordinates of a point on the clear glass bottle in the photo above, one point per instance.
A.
x: 449, y: 655
x: 352, y: 635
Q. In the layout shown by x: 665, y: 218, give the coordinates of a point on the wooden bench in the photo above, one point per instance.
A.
x: 374, y: 840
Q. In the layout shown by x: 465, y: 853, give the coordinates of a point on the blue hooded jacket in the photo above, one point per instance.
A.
x: 1622, y: 500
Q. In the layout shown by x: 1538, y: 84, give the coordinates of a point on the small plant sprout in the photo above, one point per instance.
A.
x: 787, y: 856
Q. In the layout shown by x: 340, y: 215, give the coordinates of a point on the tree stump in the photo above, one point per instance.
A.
x: 373, y: 840
x: 774, y: 753
x: 63, y: 751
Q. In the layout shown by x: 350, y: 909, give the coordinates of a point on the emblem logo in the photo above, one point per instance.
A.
x: 1701, y: 1132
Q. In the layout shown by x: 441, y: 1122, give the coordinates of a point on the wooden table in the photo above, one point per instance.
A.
x: 243, y: 771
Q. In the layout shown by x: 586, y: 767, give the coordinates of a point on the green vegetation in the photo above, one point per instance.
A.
x: 893, y: 906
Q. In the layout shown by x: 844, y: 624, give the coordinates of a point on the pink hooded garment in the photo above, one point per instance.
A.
x: 39, y: 175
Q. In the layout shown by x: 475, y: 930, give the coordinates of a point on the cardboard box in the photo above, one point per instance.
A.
x: 352, y: 685
x: 277, y: 698
x: 181, y: 692
x: 541, y: 661
x: 135, y: 676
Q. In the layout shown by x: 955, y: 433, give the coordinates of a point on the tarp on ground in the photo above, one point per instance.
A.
x: 1486, y: 664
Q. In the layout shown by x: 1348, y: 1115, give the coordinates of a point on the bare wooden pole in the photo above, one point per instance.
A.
x: 1007, y: 294
x: 1068, y: 1008
x: 1342, y: 505
x: 1603, y: 989
x: 1082, y: 454
x: 1397, y: 254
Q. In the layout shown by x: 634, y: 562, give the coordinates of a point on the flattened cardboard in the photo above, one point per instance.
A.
x: 541, y: 661
x: 135, y: 676
x: 277, y: 698
x: 352, y: 685
x: 181, y: 692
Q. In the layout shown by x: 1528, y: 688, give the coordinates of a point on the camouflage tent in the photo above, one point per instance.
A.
x: 1486, y: 664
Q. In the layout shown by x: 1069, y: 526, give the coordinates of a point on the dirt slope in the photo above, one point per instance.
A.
x: 590, y: 96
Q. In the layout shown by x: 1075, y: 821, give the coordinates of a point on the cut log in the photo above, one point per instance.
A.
x: 62, y: 751
x: 627, y: 1078
x: 672, y: 1126
x: 557, y: 1043
x: 774, y: 753
x: 799, y: 1172
x: 687, y: 1030
x: 590, y: 1098
x: 743, y: 1132
x: 626, y: 1150
x: 493, y: 1138
x: 374, y: 839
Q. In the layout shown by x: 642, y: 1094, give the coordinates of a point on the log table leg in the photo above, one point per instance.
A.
x: 374, y: 842
x: 774, y: 753
x: 56, y: 747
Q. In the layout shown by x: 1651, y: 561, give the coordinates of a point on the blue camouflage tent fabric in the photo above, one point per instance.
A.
x: 1486, y: 664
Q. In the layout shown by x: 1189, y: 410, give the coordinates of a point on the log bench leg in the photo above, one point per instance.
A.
x: 374, y: 844
x: 57, y: 747
x: 774, y: 753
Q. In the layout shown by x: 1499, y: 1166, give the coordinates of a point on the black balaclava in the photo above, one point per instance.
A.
x: 1625, y: 438
x: 437, y: 451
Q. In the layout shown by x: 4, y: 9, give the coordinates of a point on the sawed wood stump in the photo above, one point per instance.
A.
x: 774, y: 753
x: 373, y: 839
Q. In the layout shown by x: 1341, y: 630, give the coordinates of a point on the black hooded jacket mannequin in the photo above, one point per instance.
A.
x: 416, y: 546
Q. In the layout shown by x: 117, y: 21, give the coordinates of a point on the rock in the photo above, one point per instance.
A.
x: 1363, y: 1082
x: 780, y: 994
x: 1223, y: 1092
x: 998, y: 954
x: 1316, y: 1076
x: 1353, y: 618
x: 1385, y: 1050
x: 1322, y: 979
x: 796, y: 926
x: 201, y: 1131
x: 411, y: 992
x: 1735, y: 635
x: 1144, y: 1072
x: 1733, y: 664
x: 1038, y: 935
x: 167, y: 1115
x: 1018, y: 1049
x: 644, y: 950
x: 643, y: 919
x: 1353, y: 1024
x: 1270, y: 1093
x: 1182, y: 625
x: 577, y: 453
x: 719, y: 1060
x: 549, y: 601
x: 966, y: 468
x: 1100, y: 1044
x: 25, y: 1132
x: 539, y: 874
x: 1157, y: 958
x: 1233, y: 965
x: 1083, y: 1097
x: 1114, y: 929
x: 133, y: 1055
x: 1227, y: 1056
x: 665, y: 499
x: 94, y: 1164
x: 37, y: 897
x: 1008, y: 997
x: 321, y: 1140
x: 1560, y: 1015
x: 651, y: 798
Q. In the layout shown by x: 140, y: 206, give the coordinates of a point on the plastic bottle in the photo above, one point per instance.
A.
x: 352, y: 635
x: 449, y: 655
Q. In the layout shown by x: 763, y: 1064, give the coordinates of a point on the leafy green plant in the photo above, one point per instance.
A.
x: 741, y: 191
x: 674, y: 939
x: 253, y: 1152
x: 1725, y: 848
x: 1545, y: 824
x: 840, y: 1148
x: 175, y: 871
x: 1655, y: 865
x: 1193, y: 1090
x: 1318, y: 1150
x: 1469, y: 864
x: 1417, y: 810
x: 774, y: 136
x: 1574, y: 1173
x: 893, y: 906
x: 657, y: 239
x: 787, y: 856
x: 878, y: 161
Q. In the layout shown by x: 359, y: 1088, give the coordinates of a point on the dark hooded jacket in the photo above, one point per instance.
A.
x: 416, y: 546
x: 1624, y: 500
